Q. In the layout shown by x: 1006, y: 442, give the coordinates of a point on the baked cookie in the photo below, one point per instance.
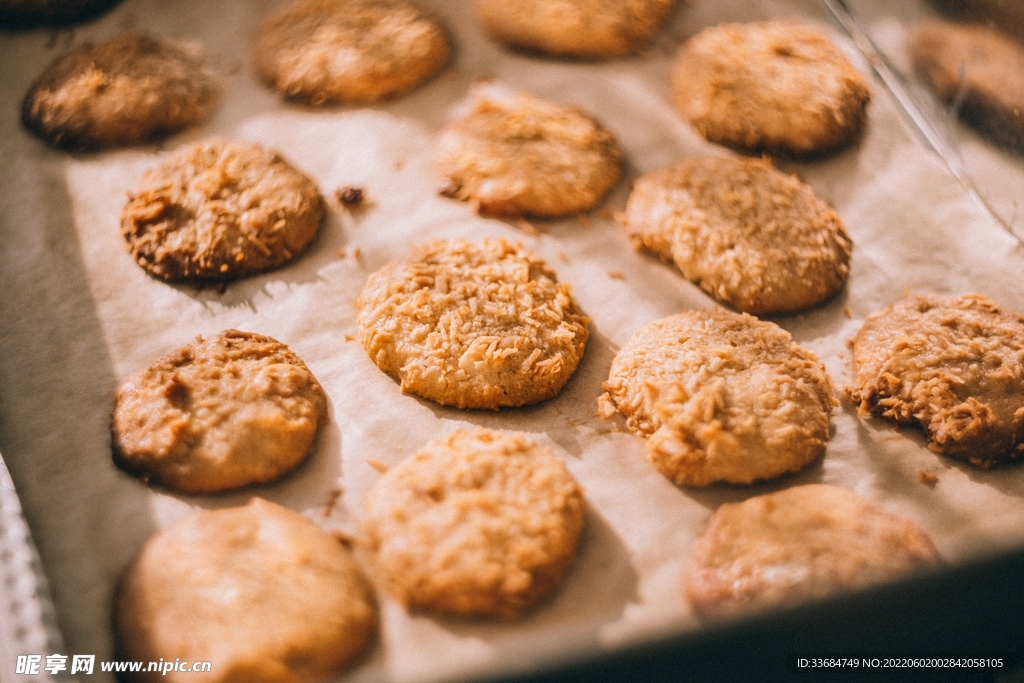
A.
x: 220, y: 211
x: 747, y: 234
x: 26, y: 14
x: 720, y: 397
x: 950, y: 365
x: 131, y: 89
x: 574, y: 28
x: 978, y: 71
x: 477, y: 523
x: 220, y: 413
x: 259, y: 591
x: 514, y: 154
x: 775, y: 86
x: 799, y: 544
x: 332, y: 51
x: 472, y: 326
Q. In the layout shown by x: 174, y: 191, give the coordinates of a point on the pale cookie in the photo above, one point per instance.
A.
x: 28, y: 14
x: 513, y: 154
x: 478, y: 523
x: 472, y: 326
x: 748, y: 235
x: 950, y: 365
x: 218, y: 414
x: 574, y: 28
x: 334, y: 51
x: 260, y: 592
x: 775, y: 86
x: 720, y: 397
x: 799, y: 544
x: 127, y: 90
x: 219, y: 211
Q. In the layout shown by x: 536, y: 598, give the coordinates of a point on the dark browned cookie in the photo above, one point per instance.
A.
x: 128, y: 90
x: 27, y: 14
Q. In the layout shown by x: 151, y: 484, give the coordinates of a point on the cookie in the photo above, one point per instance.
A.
x: 750, y: 236
x: 477, y: 523
x: 977, y: 71
x: 513, y: 154
x: 258, y: 591
x: 221, y: 413
x: 220, y: 211
x: 472, y: 325
x: 334, y: 51
x: 28, y: 14
x: 587, y: 29
x: 777, y: 86
x: 720, y: 397
x: 128, y: 90
x: 951, y: 366
x: 799, y: 544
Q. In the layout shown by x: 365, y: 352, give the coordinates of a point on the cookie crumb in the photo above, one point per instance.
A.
x: 927, y: 478
x: 351, y: 197
x: 331, y: 501
x: 616, y: 275
x: 377, y: 465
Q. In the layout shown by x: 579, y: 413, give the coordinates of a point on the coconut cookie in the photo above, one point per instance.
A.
x: 720, y: 397
x: 28, y: 14
x: 221, y: 413
x: 774, y: 86
x: 127, y: 90
x: 796, y: 545
x: 334, y: 51
x: 950, y: 365
x: 748, y: 235
x: 472, y: 325
x: 514, y: 154
x: 477, y: 523
x: 259, y: 591
x: 574, y: 28
x: 220, y: 211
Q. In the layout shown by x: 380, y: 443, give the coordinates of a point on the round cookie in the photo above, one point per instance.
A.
x: 513, y: 154
x: 477, y: 523
x: 775, y: 86
x: 720, y: 397
x: 799, y: 544
x: 219, y: 211
x: 260, y: 592
x: 218, y: 414
x: 131, y: 89
x: 332, y: 51
x: 748, y: 235
x: 27, y: 14
x: 472, y: 326
x: 574, y: 28
x: 950, y: 365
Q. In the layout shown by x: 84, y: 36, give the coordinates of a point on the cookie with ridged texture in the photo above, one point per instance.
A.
x: 513, y: 154
x: 236, y: 409
x: 480, y: 522
x: 335, y: 51
x: 951, y: 366
x: 472, y: 325
x: 720, y: 397
x: 777, y: 86
x: 799, y: 544
x: 260, y: 592
x: 29, y: 14
x: 749, y: 235
x: 220, y: 211
x: 589, y: 29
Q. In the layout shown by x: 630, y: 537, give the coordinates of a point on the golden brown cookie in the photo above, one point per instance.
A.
x: 950, y: 365
x: 480, y: 522
x: 774, y: 86
x: 799, y: 544
x: 513, y: 154
x: 332, y: 51
x: 472, y: 325
x: 574, y: 28
x: 221, y: 413
x: 720, y: 396
x: 27, y: 14
x: 747, y: 234
x: 260, y: 592
x: 219, y: 211
x: 127, y: 90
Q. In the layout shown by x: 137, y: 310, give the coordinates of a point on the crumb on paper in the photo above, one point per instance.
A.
x: 927, y: 478
x: 343, y: 538
x: 398, y: 165
x: 349, y: 338
x: 331, y: 501
x: 560, y: 255
x: 847, y: 312
x: 349, y: 252
x: 377, y: 465
x: 616, y: 275
x: 527, y: 227
x: 350, y: 196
